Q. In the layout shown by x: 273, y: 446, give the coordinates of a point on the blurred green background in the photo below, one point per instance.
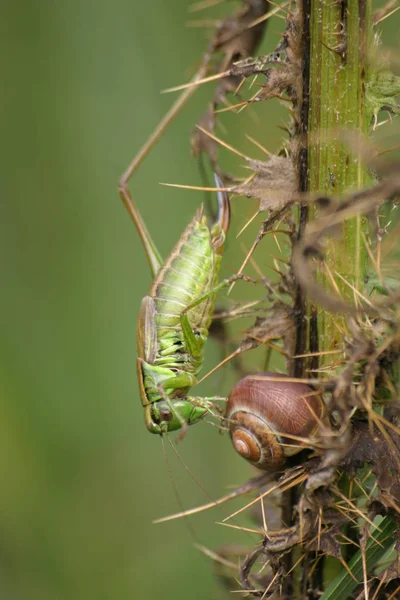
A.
x: 81, y: 478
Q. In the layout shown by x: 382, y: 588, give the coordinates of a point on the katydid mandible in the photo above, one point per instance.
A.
x: 175, y: 317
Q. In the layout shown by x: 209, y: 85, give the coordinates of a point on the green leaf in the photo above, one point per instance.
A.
x: 343, y: 585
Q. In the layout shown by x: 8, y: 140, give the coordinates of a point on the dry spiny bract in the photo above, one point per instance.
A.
x: 271, y: 417
x: 274, y: 183
x: 282, y: 67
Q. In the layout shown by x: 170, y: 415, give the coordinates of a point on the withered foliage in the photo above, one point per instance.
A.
x: 236, y: 37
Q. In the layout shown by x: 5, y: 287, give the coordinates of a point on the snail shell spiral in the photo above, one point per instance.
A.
x: 262, y: 408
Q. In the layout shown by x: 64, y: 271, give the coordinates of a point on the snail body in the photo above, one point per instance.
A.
x: 262, y: 408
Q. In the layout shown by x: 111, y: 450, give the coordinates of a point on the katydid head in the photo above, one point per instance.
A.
x: 220, y: 228
x: 163, y: 417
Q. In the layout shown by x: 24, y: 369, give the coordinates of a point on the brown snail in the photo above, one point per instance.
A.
x: 262, y: 408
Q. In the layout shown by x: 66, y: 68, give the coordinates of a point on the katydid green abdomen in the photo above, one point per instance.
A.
x: 190, y: 272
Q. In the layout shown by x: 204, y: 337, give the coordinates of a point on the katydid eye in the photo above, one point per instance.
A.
x: 165, y: 414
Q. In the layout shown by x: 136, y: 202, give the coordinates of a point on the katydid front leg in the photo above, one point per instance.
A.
x: 193, y: 344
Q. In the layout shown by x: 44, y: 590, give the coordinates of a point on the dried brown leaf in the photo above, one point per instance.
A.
x: 200, y: 141
x: 372, y: 447
x: 235, y: 37
x: 327, y: 542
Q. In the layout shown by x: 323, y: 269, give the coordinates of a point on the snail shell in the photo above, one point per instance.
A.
x: 261, y: 410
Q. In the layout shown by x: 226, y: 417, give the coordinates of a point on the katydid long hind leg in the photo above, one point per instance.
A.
x: 152, y: 253
x: 153, y: 256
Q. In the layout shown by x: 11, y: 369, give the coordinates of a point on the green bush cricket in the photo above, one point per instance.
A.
x: 175, y: 316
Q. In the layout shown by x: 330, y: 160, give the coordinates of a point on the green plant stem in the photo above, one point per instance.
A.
x: 340, y: 34
x: 339, y: 116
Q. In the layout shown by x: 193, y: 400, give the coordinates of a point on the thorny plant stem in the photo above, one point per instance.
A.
x: 340, y: 36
